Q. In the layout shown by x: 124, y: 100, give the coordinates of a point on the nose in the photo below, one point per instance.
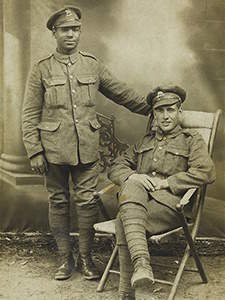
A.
x: 69, y: 32
x: 165, y: 114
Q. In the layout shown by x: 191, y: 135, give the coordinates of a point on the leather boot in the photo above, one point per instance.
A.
x: 126, y: 296
x: 86, y: 266
x: 66, y: 268
x: 143, y: 274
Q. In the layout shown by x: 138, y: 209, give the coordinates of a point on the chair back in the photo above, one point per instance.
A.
x: 206, y: 124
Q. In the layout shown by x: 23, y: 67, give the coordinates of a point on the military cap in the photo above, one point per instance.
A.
x: 166, y: 96
x: 64, y: 17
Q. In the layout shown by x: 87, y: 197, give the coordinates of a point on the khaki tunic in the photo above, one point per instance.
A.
x: 59, y: 116
x: 181, y: 157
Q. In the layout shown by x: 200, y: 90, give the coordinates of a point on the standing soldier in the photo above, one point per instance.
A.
x: 61, y: 132
x: 154, y: 174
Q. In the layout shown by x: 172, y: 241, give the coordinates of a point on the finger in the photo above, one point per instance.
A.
x: 45, y: 166
x: 32, y: 167
x: 152, y: 181
x: 35, y: 170
x: 149, y: 186
x: 157, y: 187
x: 41, y: 169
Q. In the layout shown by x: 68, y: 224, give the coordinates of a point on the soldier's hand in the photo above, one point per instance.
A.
x: 159, y: 184
x: 39, y: 164
x: 145, y: 180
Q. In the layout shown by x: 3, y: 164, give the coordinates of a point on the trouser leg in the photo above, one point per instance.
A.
x: 85, y: 181
x: 85, y: 178
x: 134, y: 218
x: 59, y: 215
x: 133, y: 200
x: 87, y: 217
x: 126, y: 267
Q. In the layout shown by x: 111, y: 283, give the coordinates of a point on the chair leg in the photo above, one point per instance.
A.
x: 179, y: 273
x: 193, y: 249
x: 106, y: 272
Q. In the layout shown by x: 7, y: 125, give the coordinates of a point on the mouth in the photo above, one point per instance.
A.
x: 69, y: 42
x: 166, y: 123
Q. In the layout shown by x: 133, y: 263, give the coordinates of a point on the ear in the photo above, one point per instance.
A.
x: 53, y: 32
x: 180, y: 109
x: 153, y: 113
x: 180, y: 115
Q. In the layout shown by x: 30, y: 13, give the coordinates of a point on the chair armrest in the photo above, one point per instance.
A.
x: 185, y: 199
x: 97, y: 196
x: 104, y: 190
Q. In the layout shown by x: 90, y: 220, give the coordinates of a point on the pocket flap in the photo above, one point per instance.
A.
x: 178, y: 152
x: 144, y: 148
x: 48, y: 126
x: 95, y: 124
x: 86, y: 79
x: 55, y: 81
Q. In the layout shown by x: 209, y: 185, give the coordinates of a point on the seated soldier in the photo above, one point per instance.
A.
x: 153, y: 175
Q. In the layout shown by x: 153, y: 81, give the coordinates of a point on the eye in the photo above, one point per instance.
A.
x: 75, y: 28
x: 64, y: 29
x: 158, y: 109
x: 171, y: 109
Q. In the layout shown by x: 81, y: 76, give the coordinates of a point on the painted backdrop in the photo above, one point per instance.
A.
x: 143, y: 42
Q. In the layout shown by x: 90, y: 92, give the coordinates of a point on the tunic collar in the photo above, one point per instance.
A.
x: 65, y: 58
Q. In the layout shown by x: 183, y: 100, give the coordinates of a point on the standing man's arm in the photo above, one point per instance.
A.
x: 31, y: 114
x: 120, y: 93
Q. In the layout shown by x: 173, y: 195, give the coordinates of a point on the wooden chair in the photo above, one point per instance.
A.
x: 206, y: 124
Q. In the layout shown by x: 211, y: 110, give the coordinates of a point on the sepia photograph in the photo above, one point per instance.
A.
x: 112, y: 149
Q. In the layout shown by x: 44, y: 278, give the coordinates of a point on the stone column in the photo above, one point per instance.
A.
x: 14, y: 165
x: 1, y: 76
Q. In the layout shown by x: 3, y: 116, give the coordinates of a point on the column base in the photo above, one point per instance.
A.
x: 15, y: 170
x: 21, y: 178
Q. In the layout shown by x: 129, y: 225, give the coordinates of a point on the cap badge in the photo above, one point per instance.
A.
x: 160, y: 93
x: 68, y: 12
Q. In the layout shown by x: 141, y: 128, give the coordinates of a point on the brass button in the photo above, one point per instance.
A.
x: 69, y: 64
x: 76, y: 121
x: 153, y: 173
x: 155, y: 159
x: 73, y: 91
x: 160, y: 147
x: 74, y: 106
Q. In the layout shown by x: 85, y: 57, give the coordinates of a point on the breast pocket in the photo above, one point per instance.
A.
x: 176, y: 160
x: 55, y: 95
x: 88, y: 86
x: 144, y: 158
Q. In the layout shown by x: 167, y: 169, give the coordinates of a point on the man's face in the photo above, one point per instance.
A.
x: 67, y: 38
x: 167, y: 117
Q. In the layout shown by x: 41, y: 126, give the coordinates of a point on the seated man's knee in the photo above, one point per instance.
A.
x: 134, y: 184
x: 132, y: 191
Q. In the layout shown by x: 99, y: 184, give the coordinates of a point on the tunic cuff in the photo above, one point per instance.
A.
x: 34, y: 150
